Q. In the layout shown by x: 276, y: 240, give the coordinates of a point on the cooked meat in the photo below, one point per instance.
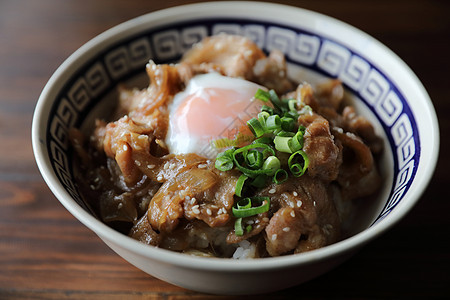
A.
x: 271, y: 72
x: 302, y: 213
x: 233, y: 56
x: 323, y: 153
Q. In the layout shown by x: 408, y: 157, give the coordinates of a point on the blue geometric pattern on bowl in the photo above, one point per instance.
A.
x: 166, y: 44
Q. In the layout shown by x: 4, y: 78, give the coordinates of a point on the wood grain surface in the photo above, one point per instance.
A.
x: 45, y: 253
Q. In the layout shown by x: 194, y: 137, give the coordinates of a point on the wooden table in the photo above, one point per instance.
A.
x: 45, y: 253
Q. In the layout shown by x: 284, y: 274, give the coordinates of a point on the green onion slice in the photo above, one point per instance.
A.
x: 298, y: 163
x: 280, y: 176
x: 224, y: 160
x: 238, y: 230
x: 292, y: 104
x: 271, y: 163
x: 224, y: 163
x: 262, y: 95
x: 240, y: 158
x: 287, y: 123
x: 259, y: 181
x: 297, y: 142
x: 256, y: 127
x: 263, y: 140
x: 273, y: 122
x: 242, y: 210
x: 254, y: 159
x: 282, y: 143
x: 267, y: 109
x: 240, y: 185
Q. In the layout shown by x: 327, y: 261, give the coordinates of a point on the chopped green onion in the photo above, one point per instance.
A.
x: 275, y: 100
x: 297, y: 142
x: 273, y: 122
x: 263, y: 140
x: 254, y: 159
x: 275, y: 128
x: 244, y: 203
x: 280, y: 176
x: 292, y: 104
x: 298, y: 163
x: 256, y: 127
x: 224, y: 163
x: 248, y: 228
x: 241, y: 212
x: 271, y: 163
x: 291, y: 114
x: 287, y: 123
x: 267, y: 109
x: 238, y: 230
x: 285, y: 133
x: 282, y: 143
x: 262, y: 117
x: 239, y: 158
x: 302, y: 129
x: 240, y: 185
x: 259, y: 181
x: 262, y: 95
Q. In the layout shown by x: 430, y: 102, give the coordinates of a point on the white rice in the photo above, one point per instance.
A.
x: 245, y: 250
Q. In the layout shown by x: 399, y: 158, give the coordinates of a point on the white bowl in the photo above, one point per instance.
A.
x: 384, y: 89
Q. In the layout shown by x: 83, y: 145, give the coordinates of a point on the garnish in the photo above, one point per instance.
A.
x: 244, y: 208
x: 275, y: 131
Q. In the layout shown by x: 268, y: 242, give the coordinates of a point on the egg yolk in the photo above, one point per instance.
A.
x: 216, y: 113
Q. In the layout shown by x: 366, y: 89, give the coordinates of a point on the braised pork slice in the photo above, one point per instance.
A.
x: 303, y: 214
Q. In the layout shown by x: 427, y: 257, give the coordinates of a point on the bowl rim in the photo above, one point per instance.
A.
x: 189, y: 11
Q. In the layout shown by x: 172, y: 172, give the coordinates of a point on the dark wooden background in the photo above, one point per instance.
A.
x: 45, y: 253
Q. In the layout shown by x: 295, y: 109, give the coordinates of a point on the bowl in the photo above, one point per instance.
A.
x: 381, y: 85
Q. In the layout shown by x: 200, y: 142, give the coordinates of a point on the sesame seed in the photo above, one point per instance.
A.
x: 293, y: 214
x: 159, y: 178
x: 265, y: 219
x: 166, y: 165
x: 120, y: 205
x: 286, y: 229
x: 202, y: 166
x: 150, y: 166
x: 250, y: 222
x: 187, y: 198
x: 208, y: 211
x: 195, y: 209
x: 291, y: 204
x: 138, y: 163
x: 274, y: 237
x: 299, y: 203
x: 272, y: 191
x: 125, y: 147
x: 295, y: 194
x: 314, y: 202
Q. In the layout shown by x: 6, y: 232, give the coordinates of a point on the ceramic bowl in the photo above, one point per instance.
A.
x: 382, y: 86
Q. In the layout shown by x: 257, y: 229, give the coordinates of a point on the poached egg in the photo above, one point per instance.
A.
x: 211, y: 107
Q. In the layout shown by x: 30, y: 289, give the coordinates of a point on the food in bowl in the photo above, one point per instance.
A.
x: 223, y: 155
